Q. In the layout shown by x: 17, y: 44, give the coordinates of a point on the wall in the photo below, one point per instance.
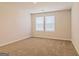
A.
x: 15, y: 24
x: 75, y: 25
x: 63, y: 25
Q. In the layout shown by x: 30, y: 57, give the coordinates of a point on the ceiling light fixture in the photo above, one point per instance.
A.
x: 34, y: 2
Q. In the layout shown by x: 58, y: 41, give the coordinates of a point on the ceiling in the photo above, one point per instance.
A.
x: 36, y: 7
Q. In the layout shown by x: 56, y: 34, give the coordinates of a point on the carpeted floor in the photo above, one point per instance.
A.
x: 40, y: 47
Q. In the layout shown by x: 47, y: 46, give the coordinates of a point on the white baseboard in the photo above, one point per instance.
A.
x: 27, y: 36
x: 54, y: 38
x: 76, y: 46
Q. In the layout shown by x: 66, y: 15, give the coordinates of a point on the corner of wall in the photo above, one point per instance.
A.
x: 75, y: 45
x: 6, y: 43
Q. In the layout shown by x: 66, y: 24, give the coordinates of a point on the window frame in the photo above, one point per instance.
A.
x: 43, y: 24
x: 44, y: 30
x: 53, y: 22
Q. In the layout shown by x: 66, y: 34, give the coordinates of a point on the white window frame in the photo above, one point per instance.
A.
x: 36, y: 21
x: 51, y: 27
x: 44, y: 24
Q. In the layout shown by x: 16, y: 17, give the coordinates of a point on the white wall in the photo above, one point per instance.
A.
x: 62, y: 26
x: 15, y: 24
x: 75, y: 25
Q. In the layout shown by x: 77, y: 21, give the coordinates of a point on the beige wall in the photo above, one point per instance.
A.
x: 63, y: 25
x: 15, y: 24
x: 75, y: 25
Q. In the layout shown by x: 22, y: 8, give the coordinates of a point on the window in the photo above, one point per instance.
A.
x: 46, y: 23
x: 49, y: 23
x: 39, y: 23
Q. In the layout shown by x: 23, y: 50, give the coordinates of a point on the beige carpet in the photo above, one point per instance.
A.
x: 40, y: 47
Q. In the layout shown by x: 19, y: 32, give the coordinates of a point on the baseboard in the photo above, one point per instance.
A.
x: 54, y: 38
x: 27, y: 36
x: 75, y: 45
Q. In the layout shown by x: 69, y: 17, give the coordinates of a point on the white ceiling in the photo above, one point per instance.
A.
x: 38, y: 7
x: 51, y: 6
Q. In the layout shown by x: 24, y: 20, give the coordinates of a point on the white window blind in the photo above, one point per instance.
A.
x: 39, y: 23
x: 46, y: 23
x: 49, y: 23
